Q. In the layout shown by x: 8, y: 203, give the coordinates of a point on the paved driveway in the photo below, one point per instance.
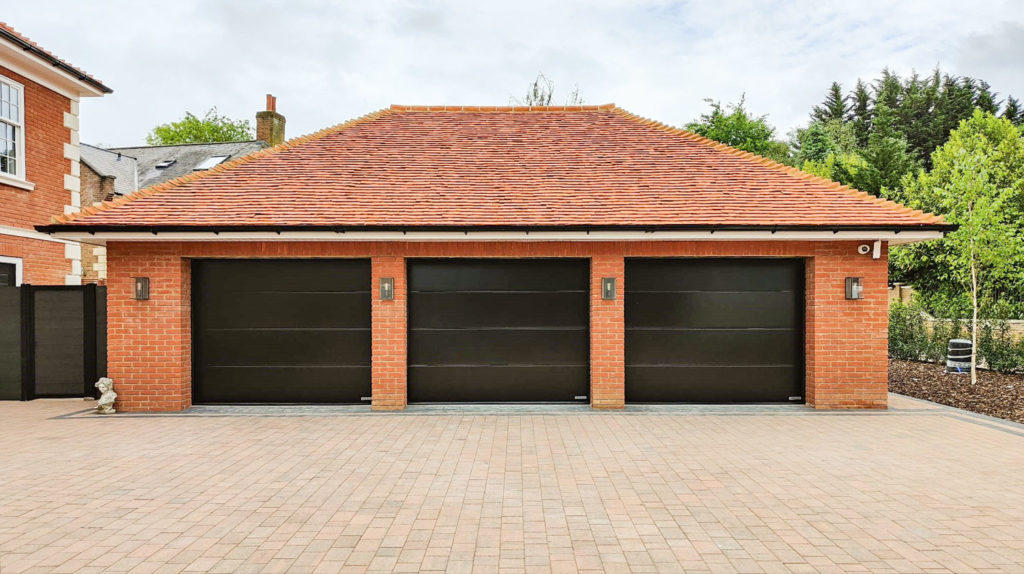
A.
x: 918, y: 488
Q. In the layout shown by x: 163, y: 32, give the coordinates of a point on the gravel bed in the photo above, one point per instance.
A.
x: 995, y: 394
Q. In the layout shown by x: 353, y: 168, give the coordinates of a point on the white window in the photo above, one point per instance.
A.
x: 210, y: 162
x: 10, y: 271
x: 12, y: 128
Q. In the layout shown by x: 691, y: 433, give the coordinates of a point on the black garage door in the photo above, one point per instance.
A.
x: 282, y: 331
x: 714, y: 330
x: 498, y: 330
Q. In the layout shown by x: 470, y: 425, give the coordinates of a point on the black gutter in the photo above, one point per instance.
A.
x: 56, y: 228
x: 57, y: 63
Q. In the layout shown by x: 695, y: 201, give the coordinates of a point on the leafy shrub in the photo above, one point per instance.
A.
x: 942, y: 331
x: 908, y: 337
x: 998, y: 347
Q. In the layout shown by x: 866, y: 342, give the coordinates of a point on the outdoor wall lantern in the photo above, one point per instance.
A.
x: 608, y: 288
x: 387, y: 288
x: 854, y: 288
x: 141, y: 291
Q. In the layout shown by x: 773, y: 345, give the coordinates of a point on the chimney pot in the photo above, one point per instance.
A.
x: 270, y: 124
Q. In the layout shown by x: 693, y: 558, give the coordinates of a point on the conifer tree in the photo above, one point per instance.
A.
x: 834, y: 107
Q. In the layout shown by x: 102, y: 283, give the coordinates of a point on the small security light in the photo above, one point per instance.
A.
x: 854, y: 288
x: 387, y: 288
x: 608, y: 288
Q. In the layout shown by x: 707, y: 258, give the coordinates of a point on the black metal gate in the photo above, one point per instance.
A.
x: 52, y: 340
x: 281, y: 330
x: 714, y: 330
x: 492, y: 330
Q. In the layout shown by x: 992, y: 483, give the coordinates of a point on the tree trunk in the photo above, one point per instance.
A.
x: 974, y: 323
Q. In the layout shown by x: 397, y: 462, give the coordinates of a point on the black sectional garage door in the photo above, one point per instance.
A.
x: 714, y: 330
x: 282, y: 331
x: 490, y: 330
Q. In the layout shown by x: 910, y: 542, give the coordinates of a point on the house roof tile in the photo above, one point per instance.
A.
x: 498, y: 167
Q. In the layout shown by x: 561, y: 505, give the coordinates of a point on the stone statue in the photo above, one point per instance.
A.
x: 105, y: 405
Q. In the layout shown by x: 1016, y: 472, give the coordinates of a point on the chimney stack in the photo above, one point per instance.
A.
x: 270, y: 124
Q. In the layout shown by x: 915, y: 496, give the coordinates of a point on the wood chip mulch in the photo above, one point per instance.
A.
x: 996, y: 394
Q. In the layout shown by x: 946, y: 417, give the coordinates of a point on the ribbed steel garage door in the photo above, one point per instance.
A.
x: 281, y: 331
x: 484, y: 330
x: 714, y: 330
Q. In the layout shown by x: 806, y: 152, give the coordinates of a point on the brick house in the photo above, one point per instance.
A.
x: 433, y: 254
x: 39, y: 159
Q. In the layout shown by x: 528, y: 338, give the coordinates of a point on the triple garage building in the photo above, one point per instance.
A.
x: 476, y: 254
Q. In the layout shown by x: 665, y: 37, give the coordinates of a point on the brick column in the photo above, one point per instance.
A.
x: 389, y: 336
x: 149, y: 343
x: 607, y: 335
x: 846, y: 340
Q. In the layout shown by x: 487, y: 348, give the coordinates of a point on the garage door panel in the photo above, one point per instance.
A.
x: 498, y: 330
x: 706, y: 347
x: 295, y: 347
x: 714, y: 330
x: 709, y: 384
x: 508, y: 309
x: 296, y: 275
x: 711, y: 275
x: 497, y: 347
x: 543, y: 275
x: 287, y: 309
x: 494, y: 383
x: 714, y: 309
x: 306, y: 384
x: 281, y: 330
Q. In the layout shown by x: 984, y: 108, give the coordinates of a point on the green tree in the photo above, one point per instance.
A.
x: 834, y: 107
x: 887, y: 157
x: 860, y: 112
x: 733, y: 125
x: 1012, y: 111
x: 985, y: 98
x: 829, y: 150
x: 977, y: 182
x: 542, y: 90
x: 209, y: 128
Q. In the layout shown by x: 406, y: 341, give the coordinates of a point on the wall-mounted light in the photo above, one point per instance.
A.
x: 387, y: 288
x: 854, y: 288
x: 608, y: 288
x: 141, y: 289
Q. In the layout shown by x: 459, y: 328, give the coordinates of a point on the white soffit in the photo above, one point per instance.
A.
x: 892, y: 237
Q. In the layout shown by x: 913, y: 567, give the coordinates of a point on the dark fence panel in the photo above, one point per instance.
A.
x: 52, y: 340
x: 10, y: 343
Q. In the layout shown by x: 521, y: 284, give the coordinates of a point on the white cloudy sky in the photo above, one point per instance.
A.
x: 330, y: 61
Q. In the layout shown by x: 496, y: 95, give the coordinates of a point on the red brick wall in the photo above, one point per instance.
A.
x: 149, y: 341
x: 389, y: 335
x: 43, y: 261
x: 45, y: 166
x: 607, y: 334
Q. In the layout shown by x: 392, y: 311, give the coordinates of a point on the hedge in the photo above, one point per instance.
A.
x: 913, y: 336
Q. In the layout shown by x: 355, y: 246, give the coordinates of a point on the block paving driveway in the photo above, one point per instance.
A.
x: 920, y: 488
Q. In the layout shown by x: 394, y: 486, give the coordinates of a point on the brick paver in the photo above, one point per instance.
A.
x: 919, y: 488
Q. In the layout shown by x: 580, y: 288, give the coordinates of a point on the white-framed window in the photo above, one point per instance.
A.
x: 9, y: 265
x: 12, y: 128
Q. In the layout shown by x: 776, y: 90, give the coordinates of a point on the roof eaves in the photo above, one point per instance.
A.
x: 28, y: 45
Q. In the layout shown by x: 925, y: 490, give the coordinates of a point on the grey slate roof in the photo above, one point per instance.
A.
x: 185, y: 158
x: 112, y: 164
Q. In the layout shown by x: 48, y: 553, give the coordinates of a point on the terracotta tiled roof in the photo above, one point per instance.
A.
x: 11, y: 34
x: 499, y: 167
